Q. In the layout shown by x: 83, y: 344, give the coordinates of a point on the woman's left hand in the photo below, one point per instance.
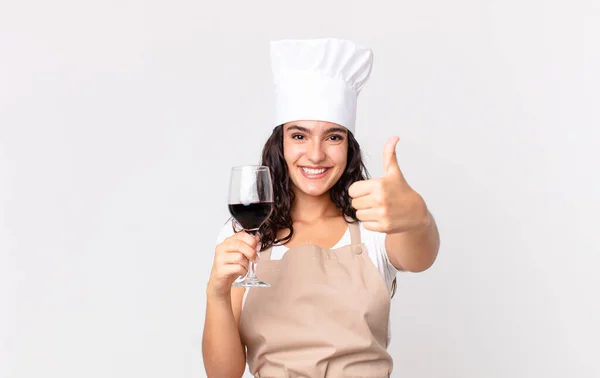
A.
x: 388, y: 204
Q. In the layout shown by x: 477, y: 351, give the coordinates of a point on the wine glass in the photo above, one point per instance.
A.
x: 250, y: 204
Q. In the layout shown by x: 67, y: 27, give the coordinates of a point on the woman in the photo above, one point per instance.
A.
x: 335, y: 240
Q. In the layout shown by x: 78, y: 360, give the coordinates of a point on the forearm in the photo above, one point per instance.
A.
x: 414, y: 250
x: 222, y: 348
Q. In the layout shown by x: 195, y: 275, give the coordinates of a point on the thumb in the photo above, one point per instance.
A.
x: 390, y: 161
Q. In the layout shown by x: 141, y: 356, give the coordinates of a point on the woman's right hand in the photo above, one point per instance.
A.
x: 231, y: 260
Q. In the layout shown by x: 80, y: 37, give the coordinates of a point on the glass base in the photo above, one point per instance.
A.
x: 250, y: 282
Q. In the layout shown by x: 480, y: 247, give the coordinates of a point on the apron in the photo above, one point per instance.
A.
x: 325, y: 315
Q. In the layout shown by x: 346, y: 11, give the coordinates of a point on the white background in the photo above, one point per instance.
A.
x: 119, y: 121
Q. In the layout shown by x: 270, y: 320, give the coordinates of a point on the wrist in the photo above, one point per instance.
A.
x: 422, y: 216
x: 418, y: 218
x: 214, y: 295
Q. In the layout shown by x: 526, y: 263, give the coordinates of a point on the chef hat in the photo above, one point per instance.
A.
x: 318, y: 79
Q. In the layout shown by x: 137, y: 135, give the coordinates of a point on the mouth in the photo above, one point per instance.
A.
x: 314, y: 173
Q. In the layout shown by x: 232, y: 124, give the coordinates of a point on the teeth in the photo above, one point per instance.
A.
x: 314, y: 171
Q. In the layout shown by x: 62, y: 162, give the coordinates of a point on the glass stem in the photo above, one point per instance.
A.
x: 252, y: 266
x: 251, y: 270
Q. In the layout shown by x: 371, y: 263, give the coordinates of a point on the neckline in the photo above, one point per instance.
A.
x: 337, y: 245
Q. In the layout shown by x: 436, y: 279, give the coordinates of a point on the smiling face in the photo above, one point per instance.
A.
x: 316, y: 155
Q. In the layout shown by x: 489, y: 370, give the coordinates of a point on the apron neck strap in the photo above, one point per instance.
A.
x: 354, y: 228
x: 266, y: 254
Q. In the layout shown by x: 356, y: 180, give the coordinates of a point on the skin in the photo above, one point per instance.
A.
x: 385, y: 204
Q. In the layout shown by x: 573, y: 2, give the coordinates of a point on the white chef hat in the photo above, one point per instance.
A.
x: 318, y: 79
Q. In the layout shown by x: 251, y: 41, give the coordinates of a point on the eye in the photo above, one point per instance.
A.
x: 298, y: 136
x: 336, y: 137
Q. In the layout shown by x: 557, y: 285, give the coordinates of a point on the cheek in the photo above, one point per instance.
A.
x: 291, y: 153
x: 339, y: 157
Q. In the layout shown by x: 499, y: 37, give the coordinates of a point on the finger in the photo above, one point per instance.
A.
x: 369, y: 215
x: 362, y: 188
x: 238, y: 245
x: 390, y: 160
x: 373, y: 226
x: 251, y: 240
x: 235, y: 270
x: 364, y: 202
x: 237, y: 258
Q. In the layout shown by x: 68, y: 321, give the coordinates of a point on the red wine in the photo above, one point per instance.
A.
x: 251, y: 216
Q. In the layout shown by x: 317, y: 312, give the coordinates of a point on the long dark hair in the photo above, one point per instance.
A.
x: 283, y: 196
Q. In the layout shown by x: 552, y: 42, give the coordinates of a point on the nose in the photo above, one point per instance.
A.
x: 315, y: 152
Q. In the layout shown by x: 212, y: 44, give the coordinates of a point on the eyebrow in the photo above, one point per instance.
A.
x: 329, y: 130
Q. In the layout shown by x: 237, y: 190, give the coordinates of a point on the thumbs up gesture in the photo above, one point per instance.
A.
x: 388, y: 204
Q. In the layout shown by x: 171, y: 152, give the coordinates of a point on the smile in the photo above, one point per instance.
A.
x: 314, y: 172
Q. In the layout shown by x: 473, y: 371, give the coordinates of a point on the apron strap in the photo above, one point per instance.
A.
x: 266, y: 254
x: 354, y: 232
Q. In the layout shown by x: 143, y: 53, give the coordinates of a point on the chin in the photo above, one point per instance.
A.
x: 312, y: 189
x: 316, y: 192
